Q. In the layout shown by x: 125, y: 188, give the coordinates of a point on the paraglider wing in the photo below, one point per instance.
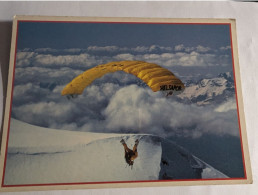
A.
x: 156, y: 77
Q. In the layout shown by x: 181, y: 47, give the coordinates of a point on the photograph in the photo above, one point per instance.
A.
x: 117, y: 101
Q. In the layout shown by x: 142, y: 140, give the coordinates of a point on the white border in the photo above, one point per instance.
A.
x: 246, y: 15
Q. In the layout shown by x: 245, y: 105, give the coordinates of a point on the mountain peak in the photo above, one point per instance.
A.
x: 226, y: 75
x: 209, y: 90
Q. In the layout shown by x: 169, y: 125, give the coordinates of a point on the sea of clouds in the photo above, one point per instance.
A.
x: 117, y: 102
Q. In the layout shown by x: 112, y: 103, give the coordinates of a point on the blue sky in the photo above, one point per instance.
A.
x: 81, y: 35
x: 208, y: 44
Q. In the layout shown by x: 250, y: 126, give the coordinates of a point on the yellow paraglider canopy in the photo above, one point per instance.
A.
x: 156, y: 77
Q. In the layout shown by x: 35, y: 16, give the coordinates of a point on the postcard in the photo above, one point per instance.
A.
x: 123, y: 102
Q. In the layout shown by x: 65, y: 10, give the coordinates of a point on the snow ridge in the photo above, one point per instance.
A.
x: 57, y: 156
x: 207, y: 91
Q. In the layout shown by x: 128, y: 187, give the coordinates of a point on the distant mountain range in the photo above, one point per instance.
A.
x: 208, y: 91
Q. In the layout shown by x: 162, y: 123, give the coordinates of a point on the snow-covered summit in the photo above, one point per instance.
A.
x: 206, y: 91
x: 38, y: 155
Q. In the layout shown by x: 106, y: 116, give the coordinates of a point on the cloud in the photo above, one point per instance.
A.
x: 125, y: 56
x: 138, y: 49
x: 202, y: 49
x: 179, y: 47
x: 78, y: 58
x: 27, y: 93
x: 114, y: 102
x: 84, y: 60
x: 45, y: 50
x: 134, y: 109
x: 141, y: 49
x: 199, y: 48
x: 24, y: 58
x: 46, y: 107
x: 186, y: 59
x: 113, y: 108
x: 52, y: 60
x: 45, y: 113
x: 74, y: 50
x: 225, y: 48
x: 105, y: 48
x: 41, y: 75
x: 227, y: 106
x: 157, y: 48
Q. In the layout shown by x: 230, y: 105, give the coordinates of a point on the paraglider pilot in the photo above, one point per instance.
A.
x: 130, y: 155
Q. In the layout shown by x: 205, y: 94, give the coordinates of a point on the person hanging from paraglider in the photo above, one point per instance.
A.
x: 169, y: 93
x: 130, y: 155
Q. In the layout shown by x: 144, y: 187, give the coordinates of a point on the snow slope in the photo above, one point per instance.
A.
x: 206, y: 91
x: 38, y: 155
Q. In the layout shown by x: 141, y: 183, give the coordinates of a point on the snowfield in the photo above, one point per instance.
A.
x: 208, y: 91
x: 39, y: 155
